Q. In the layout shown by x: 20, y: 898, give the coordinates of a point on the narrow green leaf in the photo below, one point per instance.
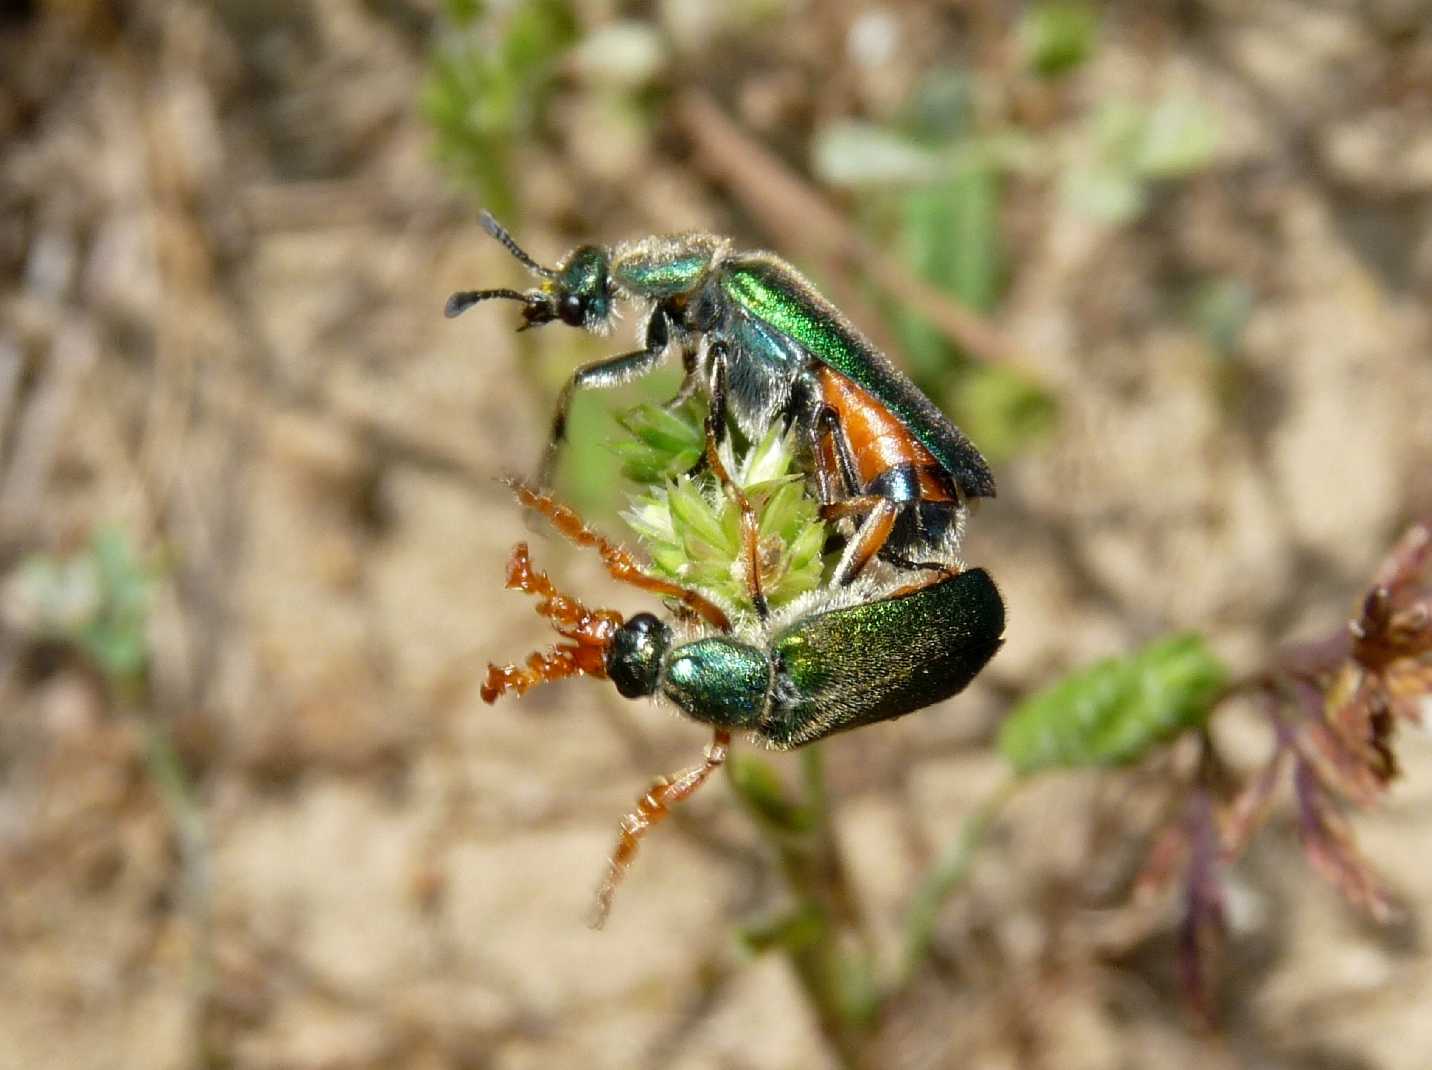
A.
x: 865, y: 155
x: 1115, y: 711
x: 760, y: 789
x: 791, y: 931
x: 1000, y: 409
x: 967, y: 204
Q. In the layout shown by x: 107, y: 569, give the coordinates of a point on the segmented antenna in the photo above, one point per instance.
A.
x: 498, y: 231
x: 592, y: 631
x: 463, y: 300
x: 620, y: 564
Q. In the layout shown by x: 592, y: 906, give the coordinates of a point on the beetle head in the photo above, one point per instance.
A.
x: 578, y: 292
x: 634, y: 657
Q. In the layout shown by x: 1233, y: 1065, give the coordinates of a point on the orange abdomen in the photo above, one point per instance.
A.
x: 878, y: 441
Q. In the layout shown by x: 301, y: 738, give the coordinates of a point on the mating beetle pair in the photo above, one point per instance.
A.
x: 765, y: 347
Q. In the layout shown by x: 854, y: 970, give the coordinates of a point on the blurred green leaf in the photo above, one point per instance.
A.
x: 967, y: 259
x: 1057, y: 37
x: 1110, y: 194
x: 950, y: 235
x: 1129, y: 146
x: 487, y: 84
x: 790, y: 931
x: 626, y: 55
x: 761, y: 791
x: 1220, y: 309
x: 1180, y: 137
x: 98, y: 600
x: 858, y: 991
x: 873, y: 159
x: 1115, y: 711
x: 852, y: 154
x: 463, y: 12
x: 1000, y: 409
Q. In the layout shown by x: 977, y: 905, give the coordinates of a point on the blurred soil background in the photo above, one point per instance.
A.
x: 1197, y: 239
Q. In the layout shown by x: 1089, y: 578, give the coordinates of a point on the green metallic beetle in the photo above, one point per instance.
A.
x: 825, y: 665
x: 764, y: 345
x: 833, y: 660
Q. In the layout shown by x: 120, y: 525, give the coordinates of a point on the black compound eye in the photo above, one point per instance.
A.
x: 571, y: 310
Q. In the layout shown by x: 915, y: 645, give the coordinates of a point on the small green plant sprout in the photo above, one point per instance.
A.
x: 97, y: 601
x: 488, y: 86
x: 1057, y: 36
x: 1132, y: 147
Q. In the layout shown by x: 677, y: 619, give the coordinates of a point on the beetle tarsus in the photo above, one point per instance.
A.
x: 591, y: 630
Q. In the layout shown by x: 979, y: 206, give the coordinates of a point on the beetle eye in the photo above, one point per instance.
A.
x: 571, y: 310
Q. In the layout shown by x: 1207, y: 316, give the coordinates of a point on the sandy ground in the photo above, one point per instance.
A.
x: 225, y: 249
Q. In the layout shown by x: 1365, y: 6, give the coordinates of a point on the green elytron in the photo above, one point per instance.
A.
x: 827, y: 666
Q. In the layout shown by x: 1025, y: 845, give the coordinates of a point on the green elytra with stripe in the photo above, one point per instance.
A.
x: 753, y: 335
x: 824, y: 671
x: 776, y: 294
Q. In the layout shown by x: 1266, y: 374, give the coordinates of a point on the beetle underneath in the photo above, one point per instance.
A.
x: 831, y: 661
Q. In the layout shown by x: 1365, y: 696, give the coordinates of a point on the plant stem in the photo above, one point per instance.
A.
x: 176, y: 791
x: 947, y: 874
x: 829, y: 950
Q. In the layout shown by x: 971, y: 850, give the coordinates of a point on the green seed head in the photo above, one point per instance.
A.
x: 690, y: 525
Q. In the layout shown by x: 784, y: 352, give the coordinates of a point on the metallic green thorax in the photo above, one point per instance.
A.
x: 660, y: 278
x: 770, y: 291
x: 719, y: 681
x: 663, y: 267
x: 883, y: 659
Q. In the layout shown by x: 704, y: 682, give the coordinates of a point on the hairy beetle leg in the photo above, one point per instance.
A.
x: 750, y: 527
x: 620, y: 564
x: 592, y: 631
x: 873, y: 532
x: 600, y: 375
x: 652, y: 809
